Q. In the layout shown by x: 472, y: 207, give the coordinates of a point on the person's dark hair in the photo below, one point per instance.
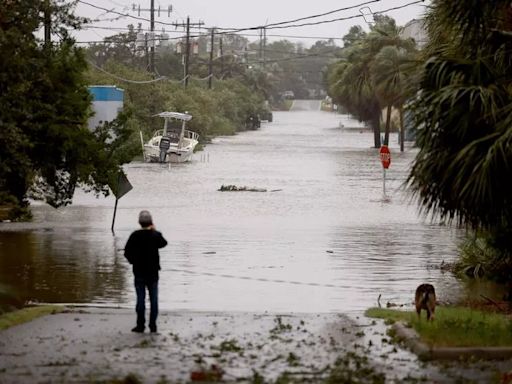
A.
x: 145, y: 219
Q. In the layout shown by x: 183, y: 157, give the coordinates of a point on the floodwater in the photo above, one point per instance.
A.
x: 322, y: 239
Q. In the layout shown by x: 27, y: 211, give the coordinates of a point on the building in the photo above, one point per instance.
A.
x: 107, y: 103
x: 416, y: 30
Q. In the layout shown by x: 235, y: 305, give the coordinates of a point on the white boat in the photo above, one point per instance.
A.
x: 173, y: 144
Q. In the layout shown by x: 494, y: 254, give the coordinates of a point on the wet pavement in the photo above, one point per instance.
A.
x: 96, y: 345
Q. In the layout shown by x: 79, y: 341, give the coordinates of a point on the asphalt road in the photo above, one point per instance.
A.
x: 96, y: 345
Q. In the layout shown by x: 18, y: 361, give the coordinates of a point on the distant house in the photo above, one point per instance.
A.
x: 107, y: 103
x: 288, y: 94
x: 416, y: 30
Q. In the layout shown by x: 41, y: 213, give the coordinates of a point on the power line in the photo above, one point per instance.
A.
x: 319, y: 15
x: 278, y: 25
x: 119, y: 13
x: 127, y: 80
x: 234, y: 31
x: 126, y: 29
x: 269, y: 25
x: 108, y: 19
x: 119, y: 4
x: 325, y: 21
x: 297, y: 57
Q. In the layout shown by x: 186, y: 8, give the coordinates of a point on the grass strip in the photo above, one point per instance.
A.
x: 27, y: 314
x: 454, y: 326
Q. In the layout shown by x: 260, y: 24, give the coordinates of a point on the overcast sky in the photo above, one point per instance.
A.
x: 244, y: 14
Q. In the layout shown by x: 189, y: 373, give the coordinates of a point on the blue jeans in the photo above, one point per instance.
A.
x: 140, y: 307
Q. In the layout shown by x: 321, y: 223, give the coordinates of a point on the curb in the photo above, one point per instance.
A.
x: 425, y: 352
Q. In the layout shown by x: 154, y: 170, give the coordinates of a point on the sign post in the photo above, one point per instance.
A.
x: 385, y: 158
x: 119, y: 188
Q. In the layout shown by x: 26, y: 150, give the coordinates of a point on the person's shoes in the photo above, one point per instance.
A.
x: 138, y: 329
x: 152, y: 329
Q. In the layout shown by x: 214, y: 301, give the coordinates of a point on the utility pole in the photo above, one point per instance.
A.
x: 47, y: 24
x: 221, y: 58
x: 210, y: 65
x: 261, y: 44
x: 187, y: 51
x: 187, y: 45
x: 151, y: 40
x: 264, y: 45
x: 148, y: 64
x: 152, y: 36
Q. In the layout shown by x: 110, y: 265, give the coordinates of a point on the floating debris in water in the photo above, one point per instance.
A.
x: 234, y: 188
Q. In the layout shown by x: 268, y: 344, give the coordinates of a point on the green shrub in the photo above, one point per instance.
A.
x: 486, y: 255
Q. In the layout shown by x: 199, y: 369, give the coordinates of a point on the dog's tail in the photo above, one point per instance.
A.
x: 428, y: 301
x: 425, y: 296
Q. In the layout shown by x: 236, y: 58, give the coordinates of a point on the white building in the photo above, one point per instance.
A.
x: 416, y: 30
x: 107, y: 103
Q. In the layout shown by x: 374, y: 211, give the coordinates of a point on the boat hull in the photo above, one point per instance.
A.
x: 171, y: 145
x: 173, y: 154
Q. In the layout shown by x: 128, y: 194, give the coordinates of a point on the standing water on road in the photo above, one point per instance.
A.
x: 323, y: 241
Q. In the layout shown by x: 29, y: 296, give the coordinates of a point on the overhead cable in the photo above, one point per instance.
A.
x: 126, y: 29
x: 277, y: 25
x: 269, y: 25
x: 320, y: 15
x: 234, y: 30
x: 127, y: 80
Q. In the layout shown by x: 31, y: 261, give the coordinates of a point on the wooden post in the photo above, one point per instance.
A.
x: 187, y: 51
x: 152, y: 37
x: 210, y: 64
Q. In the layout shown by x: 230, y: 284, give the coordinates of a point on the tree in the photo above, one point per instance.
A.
x: 120, y: 47
x: 393, y: 71
x: 44, y: 107
x: 354, y: 36
x: 368, y: 80
x: 313, y: 66
x: 350, y: 85
x: 464, y: 118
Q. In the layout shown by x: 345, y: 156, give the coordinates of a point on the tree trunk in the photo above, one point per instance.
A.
x: 402, y: 133
x: 375, y: 122
x: 388, y: 125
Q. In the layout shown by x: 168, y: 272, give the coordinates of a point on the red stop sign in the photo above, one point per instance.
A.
x: 385, y: 156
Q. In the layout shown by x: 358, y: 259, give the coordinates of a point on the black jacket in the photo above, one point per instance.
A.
x: 141, y: 250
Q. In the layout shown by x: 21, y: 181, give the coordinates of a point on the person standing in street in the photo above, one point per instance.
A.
x: 141, y: 251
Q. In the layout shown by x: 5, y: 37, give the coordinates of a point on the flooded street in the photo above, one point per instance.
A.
x: 320, y: 240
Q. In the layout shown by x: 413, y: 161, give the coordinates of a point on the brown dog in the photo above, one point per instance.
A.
x: 425, y: 298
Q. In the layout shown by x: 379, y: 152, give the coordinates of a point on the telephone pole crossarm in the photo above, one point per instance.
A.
x: 151, y: 39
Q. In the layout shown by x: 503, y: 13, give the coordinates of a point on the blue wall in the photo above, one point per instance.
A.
x: 106, y: 93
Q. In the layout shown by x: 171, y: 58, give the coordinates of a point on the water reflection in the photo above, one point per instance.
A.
x: 326, y: 225
x: 63, y: 266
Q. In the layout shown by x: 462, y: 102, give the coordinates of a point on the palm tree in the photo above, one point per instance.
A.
x: 352, y: 84
x: 351, y: 87
x: 464, y: 116
x: 393, y: 71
